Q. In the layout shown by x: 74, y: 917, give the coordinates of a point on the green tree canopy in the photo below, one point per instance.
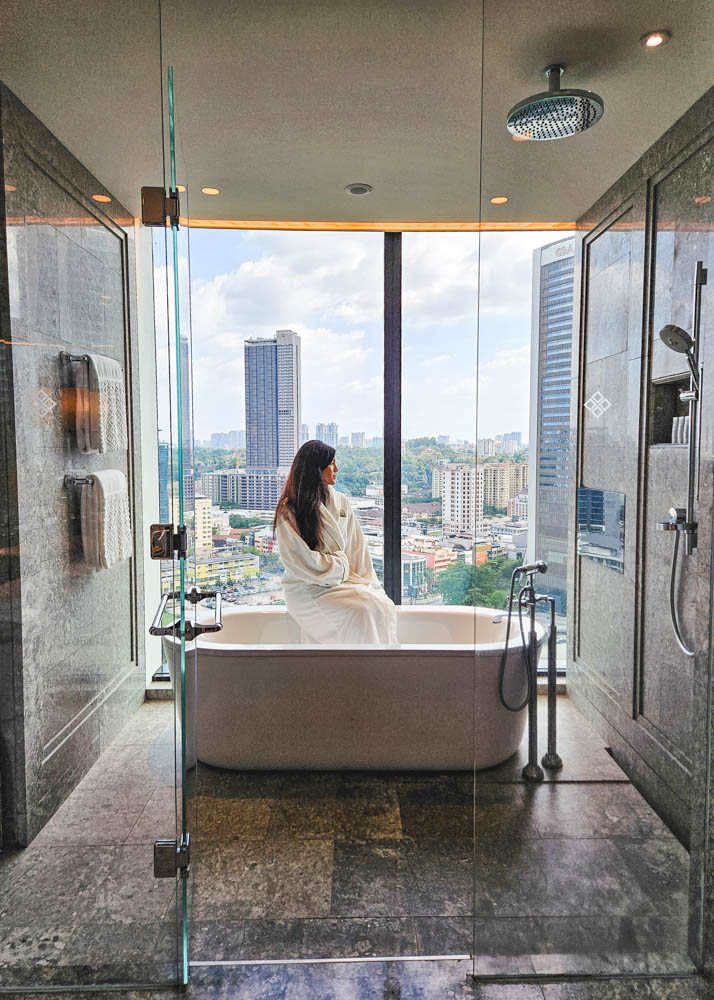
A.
x: 238, y: 521
x: 484, y: 585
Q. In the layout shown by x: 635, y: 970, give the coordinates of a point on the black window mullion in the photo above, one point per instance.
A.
x: 393, y: 416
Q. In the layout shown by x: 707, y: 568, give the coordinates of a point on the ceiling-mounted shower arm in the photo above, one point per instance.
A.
x: 553, y: 74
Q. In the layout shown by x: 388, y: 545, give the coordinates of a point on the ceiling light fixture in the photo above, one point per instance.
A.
x: 104, y: 198
x: 655, y: 39
x: 358, y: 188
x: 500, y: 199
x: 209, y: 190
x: 181, y: 188
x: 702, y: 199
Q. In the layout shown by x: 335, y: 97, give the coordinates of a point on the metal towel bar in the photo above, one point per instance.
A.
x: 66, y: 358
x: 78, y: 481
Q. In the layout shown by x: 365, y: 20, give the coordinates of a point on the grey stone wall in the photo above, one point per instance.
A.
x: 639, y: 246
x: 72, y: 669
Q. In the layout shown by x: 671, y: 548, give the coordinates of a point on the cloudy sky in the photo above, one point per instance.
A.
x: 328, y: 288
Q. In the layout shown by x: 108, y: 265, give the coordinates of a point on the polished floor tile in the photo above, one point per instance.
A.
x: 262, y: 878
x: 592, y: 810
x: 575, y: 875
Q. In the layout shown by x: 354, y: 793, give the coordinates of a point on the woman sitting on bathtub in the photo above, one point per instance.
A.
x: 330, y: 587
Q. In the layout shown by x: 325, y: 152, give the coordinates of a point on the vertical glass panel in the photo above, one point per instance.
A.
x: 563, y: 362
x: 442, y: 520
x: 86, y: 764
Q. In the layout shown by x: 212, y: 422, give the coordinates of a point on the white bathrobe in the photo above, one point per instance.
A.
x: 333, y: 592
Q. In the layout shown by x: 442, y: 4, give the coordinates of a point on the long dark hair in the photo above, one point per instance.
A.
x: 305, y: 490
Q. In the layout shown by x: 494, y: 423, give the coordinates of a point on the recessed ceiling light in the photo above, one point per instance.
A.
x: 10, y: 187
x: 702, y: 199
x: 358, y: 188
x: 101, y: 197
x: 655, y: 39
x: 208, y: 190
x: 181, y: 188
x: 501, y: 199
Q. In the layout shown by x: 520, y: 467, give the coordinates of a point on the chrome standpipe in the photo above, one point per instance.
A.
x: 551, y: 760
x: 693, y: 397
x: 528, y: 599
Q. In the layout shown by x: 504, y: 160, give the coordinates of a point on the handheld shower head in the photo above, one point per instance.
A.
x: 676, y: 339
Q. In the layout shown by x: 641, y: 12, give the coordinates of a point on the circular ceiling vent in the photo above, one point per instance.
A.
x: 358, y: 188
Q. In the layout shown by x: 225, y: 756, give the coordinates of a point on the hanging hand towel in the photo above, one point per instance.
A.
x: 101, y: 406
x: 106, y: 526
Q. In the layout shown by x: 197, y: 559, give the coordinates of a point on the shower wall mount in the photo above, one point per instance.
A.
x: 681, y: 519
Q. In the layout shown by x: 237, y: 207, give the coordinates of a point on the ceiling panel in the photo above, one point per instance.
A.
x: 282, y: 104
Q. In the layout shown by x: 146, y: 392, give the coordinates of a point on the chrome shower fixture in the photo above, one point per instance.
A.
x: 677, y: 339
x: 555, y: 113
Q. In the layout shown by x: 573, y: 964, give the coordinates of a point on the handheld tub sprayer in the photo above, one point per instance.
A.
x: 528, y: 598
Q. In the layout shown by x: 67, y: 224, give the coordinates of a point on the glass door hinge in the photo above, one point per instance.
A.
x: 157, y: 207
x: 172, y: 856
x: 164, y: 541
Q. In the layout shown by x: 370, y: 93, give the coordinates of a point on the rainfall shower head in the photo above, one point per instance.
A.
x: 676, y: 339
x: 556, y: 113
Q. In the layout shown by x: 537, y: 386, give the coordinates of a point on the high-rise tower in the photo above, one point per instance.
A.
x: 272, y: 416
x: 272, y: 400
x: 549, y: 436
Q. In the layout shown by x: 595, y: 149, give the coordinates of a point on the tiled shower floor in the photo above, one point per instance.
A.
x: 576, y: 875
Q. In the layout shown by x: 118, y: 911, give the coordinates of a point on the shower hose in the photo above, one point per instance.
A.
x: 522, y: 602
x: 672, y: 601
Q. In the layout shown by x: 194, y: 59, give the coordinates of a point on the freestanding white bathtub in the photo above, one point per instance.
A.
x: 256, y: 698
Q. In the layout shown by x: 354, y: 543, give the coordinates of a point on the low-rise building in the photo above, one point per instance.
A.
x: 215, y: 571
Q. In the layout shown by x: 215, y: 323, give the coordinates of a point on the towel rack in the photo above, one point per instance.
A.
x: 78, y: 481
x: 66, y: 358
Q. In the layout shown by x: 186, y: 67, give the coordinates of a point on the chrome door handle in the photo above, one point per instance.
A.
x: 191, y: 629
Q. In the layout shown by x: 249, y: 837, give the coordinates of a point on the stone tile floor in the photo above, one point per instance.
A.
x: 574, y: 876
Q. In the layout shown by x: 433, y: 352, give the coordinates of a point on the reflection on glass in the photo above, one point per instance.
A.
x: 601, y: 527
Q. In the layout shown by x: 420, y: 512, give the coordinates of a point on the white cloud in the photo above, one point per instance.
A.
x: 328, y: 288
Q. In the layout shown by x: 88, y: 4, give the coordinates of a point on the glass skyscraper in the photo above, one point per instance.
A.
x: 549, y: 437
x: 272, y: 416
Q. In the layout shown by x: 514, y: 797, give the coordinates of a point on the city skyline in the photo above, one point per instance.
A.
x: 328, y: 288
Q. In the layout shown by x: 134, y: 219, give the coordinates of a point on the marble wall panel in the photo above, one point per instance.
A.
x: 666, y: 685
x: 75, y: 646
x: 684, y: 233
x: 609, y: 291
x: 605, y: 426
x: 606, y: 632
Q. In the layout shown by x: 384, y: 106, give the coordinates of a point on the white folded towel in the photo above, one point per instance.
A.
x: 106, y: 525
x: 101, y: 406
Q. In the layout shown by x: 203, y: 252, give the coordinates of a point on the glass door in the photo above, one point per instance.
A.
x: 179, y: 596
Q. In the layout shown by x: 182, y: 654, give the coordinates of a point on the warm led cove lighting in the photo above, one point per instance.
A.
x: 655, y: 39
x: 702, y: 199
x: 358, y: 188
x: 208, y: 190
x: 501, y: 199
x: 104, y: 198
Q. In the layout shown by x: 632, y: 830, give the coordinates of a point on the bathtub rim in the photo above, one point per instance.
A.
x: 208, y: 647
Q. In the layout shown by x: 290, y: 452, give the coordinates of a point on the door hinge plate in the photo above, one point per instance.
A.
x: 163, y: 541
x: 172, y: 856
